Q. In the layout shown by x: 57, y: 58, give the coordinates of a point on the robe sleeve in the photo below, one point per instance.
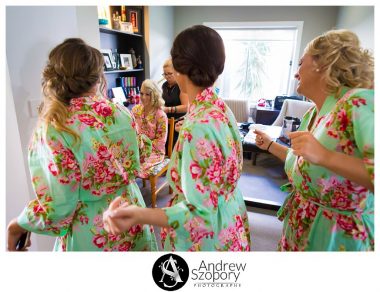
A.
x: 56, y: 178
x: 364, y: 128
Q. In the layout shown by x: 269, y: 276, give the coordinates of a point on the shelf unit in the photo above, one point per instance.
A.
x: 123, y: 42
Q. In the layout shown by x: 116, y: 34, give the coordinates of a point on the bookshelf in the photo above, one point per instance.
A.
x: 122, y: 41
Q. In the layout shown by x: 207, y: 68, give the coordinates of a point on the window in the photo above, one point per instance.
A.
x: 261, y: 59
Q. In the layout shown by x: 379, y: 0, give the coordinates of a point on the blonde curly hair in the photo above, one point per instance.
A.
x: 155, y: 93
x: 338, y: 54
x: 73, y: 68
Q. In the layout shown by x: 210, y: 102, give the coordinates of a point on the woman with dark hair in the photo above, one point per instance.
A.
x: 207, y: 211
x: 330, y: 206
x: 82, y: 155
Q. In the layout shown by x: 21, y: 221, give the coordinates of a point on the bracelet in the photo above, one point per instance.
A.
x: 175, y: 109
x: 270, y: 144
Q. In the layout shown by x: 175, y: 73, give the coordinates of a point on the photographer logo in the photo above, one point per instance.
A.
x: 170, y: 272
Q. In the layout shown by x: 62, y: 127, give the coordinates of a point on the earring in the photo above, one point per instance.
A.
x: 317, y: 70
x: 177, y: 74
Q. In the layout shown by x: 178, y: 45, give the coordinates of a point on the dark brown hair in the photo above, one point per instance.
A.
x: 198, y: 52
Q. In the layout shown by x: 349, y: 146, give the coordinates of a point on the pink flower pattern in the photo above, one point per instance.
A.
x: 325, y: 211
x: 204, y: 172
x: 153, y: 126
x: 74, y: 184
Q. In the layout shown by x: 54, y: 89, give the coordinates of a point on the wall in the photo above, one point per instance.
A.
x: 359, y: 19
x: 27, y: 46
x: 16, y: 187
x: 316, y: 19
x: 160, y: 35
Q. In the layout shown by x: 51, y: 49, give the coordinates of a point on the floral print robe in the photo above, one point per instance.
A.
x: 325, y: 211
x: 207, y: 211
x: 74, y: 183
x: 154, y: 126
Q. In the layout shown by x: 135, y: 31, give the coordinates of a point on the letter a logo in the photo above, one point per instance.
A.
x: 170, y: 272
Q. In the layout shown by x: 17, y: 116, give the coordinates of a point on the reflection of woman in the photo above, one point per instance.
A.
x: 331, y: 163
x: 83, y: 154
x: 152, y: 122
x: 176, y: 102
x: 207, y: 211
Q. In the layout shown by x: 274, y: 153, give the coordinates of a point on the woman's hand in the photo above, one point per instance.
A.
x: 166, y: 110
x: 15, y: 232
x: 306, y: 145
x: 120, y: 216
x: 262, y: 140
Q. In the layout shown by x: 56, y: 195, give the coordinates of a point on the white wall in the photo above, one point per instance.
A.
x: 359, y: 19
x: 161, y: 33
x: 316, y: 19
x: 28, y: 43
x: 16, y: 187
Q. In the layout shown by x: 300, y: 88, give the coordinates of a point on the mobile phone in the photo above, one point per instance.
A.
x: 23, y: 241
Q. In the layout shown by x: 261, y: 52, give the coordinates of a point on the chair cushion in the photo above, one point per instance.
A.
x: 158, y: 167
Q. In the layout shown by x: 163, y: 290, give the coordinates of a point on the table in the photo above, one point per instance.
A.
x: 249, y: 145
x: 248, y: 140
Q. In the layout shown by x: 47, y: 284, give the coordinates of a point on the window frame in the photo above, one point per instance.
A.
x: 297, y: 25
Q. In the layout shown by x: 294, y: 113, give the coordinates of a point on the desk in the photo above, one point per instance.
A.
x: 248, y: 140
x: 249, y: 146
x: 265, y: 115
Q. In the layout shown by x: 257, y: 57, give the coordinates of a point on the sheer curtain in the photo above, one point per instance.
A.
x: 259, y: 63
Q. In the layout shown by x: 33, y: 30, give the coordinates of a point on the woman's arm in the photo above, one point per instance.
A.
x: 349, y: 167
x: 278, y: 150
x: 264, y: 142
x: 306, y: 145
x: 121, y: 216
x: 182, y: 108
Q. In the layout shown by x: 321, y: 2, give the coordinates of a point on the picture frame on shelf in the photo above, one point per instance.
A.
x: 134, y: 19
x: 110, y: 54
x: 118, y: 95
x: 107, y: 62
x: 126, y: 27
x: 126, y: 61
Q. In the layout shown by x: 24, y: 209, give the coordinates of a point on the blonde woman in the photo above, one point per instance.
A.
x: 331, y: 161
x: 152, y: 122
x: 83, y: 153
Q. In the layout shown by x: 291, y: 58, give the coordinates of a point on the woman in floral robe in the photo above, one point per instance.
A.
x: 82, y: 155
x: 331, y: 163
x: 207, y: 211
x: 152, y: 122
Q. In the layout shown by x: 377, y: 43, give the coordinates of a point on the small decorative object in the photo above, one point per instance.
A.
x: 123, y: 14
x: 139, y: 62
x: 126, y: 26
x: 116, y: 21
x: 116, y: 57
x: 103, y: 22
x: 111, y: 55
x: 133, y: 18
x: 107, y: 62
x: 134, y: 62
x: 126, y: 61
